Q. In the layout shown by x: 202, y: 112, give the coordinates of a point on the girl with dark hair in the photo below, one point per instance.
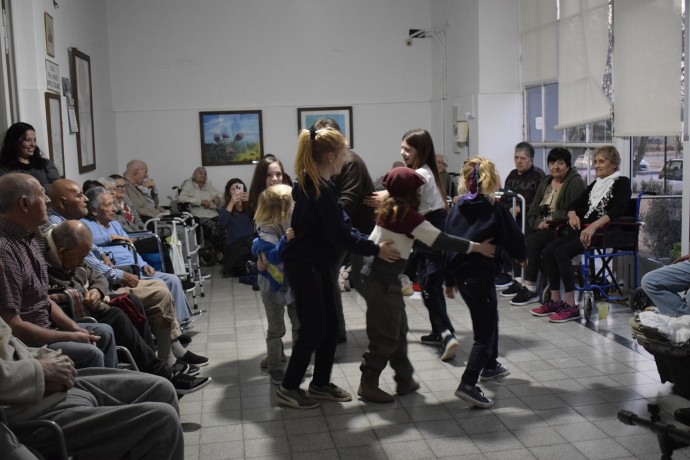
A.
x: 20, y: 153
x: 269, y: 171
x: 239, y: 229
x: 322, y: 229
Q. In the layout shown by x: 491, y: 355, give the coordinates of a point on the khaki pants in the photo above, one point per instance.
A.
x: 158, y: 305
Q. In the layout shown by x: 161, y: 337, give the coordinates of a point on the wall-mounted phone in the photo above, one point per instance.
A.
x: 461, y: 132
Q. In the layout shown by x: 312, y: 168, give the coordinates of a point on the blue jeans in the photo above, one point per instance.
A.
x: 103, y: 354
x: 663, y: 284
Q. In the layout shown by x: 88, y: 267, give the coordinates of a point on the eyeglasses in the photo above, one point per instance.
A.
x: 121, y: 187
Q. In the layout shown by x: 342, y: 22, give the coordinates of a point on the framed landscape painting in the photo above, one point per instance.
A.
x: 342, y: 115
x: 231, y: 137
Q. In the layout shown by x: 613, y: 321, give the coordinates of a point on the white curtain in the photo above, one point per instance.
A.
x: 582, y: 51
x: 647, y: 59
x: 539, y: 39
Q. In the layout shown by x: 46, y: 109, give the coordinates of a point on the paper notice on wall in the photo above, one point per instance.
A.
x: 53, y: 82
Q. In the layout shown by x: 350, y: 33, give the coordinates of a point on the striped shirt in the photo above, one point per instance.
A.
x: 24, y: 280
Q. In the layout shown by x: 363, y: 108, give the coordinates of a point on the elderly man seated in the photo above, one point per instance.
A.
x: 663, y: 285
x: 94, y: 408
x: 25, y: 306
x: 201, y: 194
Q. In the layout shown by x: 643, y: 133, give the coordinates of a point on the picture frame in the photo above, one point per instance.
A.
x: 231, y: 137
x: 50, y: 34
x: 55, y: 139
x: 342, y: 115
x: 80, y: 73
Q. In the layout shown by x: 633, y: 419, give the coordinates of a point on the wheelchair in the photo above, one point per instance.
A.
x: 619, y: 238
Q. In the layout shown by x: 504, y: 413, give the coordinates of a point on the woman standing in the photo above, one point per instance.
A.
x: 20, y: 153
x: 605, y: 199
x: 269, y: 171
x: 548, y: 209
x: 321, y: 230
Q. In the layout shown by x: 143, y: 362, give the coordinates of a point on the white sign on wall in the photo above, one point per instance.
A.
x: 52, y: 76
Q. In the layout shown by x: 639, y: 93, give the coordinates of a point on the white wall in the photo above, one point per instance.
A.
x: 81, y: 24
x: 173, y: 58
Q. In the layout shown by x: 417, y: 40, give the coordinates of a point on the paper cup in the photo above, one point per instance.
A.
x: 603, y: 310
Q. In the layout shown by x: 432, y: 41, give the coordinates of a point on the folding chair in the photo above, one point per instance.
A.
x: 43, y: 436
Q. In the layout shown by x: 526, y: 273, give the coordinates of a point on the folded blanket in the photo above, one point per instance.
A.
x: 677, y: 330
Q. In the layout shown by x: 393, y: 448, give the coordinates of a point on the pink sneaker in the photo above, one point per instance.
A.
x: 565, y: 313
x: 548, y: 308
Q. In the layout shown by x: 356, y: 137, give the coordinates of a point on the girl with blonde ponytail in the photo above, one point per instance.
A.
x: 322, y: 230
x: 476, y: 216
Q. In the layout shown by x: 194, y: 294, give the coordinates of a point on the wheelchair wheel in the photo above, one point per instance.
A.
x: 639, y: 300
x: 587, y: 304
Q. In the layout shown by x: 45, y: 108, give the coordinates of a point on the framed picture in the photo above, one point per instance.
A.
x: 342, y: 115
x: 50, y: 35
x: 80, y: 73
x: 54, y: 119
x: 231, y: 137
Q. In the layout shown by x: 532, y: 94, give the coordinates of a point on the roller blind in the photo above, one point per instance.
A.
x: 539, y: 38
x: 582, y: 51
x: 647, y: 58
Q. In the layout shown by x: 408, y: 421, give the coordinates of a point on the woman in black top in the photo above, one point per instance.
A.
x: 322, y: 229
x: 605, y: 200
x: 20, y: 154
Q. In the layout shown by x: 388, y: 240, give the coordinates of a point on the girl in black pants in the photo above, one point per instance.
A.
x: 477, y: 217
x: 322, y: 229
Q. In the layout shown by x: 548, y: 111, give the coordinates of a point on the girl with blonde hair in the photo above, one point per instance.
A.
x: 477, y: 217
x: 322, y: 229
x: 272, y: 221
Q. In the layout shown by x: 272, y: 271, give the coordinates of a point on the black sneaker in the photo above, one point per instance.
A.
x: 296, y: 398
x: 432, y: 338
x: 186, y: 368
x: 474, y: 395
x: 185, y: 384
x: 525, y: 297
x: 191, y: 358
x: 504, y: 280
x: 512, y: 290
x: 498, y: 371
x: 449, y: 347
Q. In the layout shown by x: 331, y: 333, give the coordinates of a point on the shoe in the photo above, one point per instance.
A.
x: 432, y: 338
x: 512, y: 290
x: 498, y: 371
x: 277, y: 376
x: 185, y: 368
x: 188, y: 285
x: 503, y: 281
x: 185, y: 384
x: 548, y: 308
x: 565, y: 313
x: 342, y: 339
x: 264, y: 362
x: 683, y: 415
x: 255, y: 287
x: 296, y: 398
x: 474, y: 395
x: 184, y: 340
x: 406, y: 387
x: 449, y: 347
x: 205, y: 276
x: 329, y: 391
x: 525, y: 297
x: 192, y: 358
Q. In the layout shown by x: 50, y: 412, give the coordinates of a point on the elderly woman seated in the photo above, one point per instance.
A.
x: 605, y: 200
x: 551, y: 203
x: 200, y: 193
x: 106, y: 230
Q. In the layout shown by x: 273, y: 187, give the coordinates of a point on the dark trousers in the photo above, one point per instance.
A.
x: 318, y: 329
x: 430, y: 278
x: 480, y: 297
x: 557, y: 260
x: 236, y: 255
x: 127, y: 336
x: 386, y: 329
x: 536, y: 242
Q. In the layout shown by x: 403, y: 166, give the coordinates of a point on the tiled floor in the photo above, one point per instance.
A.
x: 567, y: 384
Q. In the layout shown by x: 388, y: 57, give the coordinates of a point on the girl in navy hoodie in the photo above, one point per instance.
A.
x: 477, y: 217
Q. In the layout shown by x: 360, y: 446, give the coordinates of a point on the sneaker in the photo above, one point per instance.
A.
x: 432, y: 338
x: 498, y: 371
x: 474, y: 395
x: 407, y: 387
x: 185, y: 384
x: 185, y: 368
x: 184, y: 339
x: 192, y: 358
x: 565, y: 313
x: 329, y: 391
x: 449, y: 347
x: 264, y: 362
x: 277, y: 376
x: 512, y: 290
x: 188, y: 285
x: 503, y: 281
x: 296, y: 398
x: 548, y: 308
x: 525, y: 297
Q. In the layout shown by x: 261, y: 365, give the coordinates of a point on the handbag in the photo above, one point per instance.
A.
x: 124, y: 303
